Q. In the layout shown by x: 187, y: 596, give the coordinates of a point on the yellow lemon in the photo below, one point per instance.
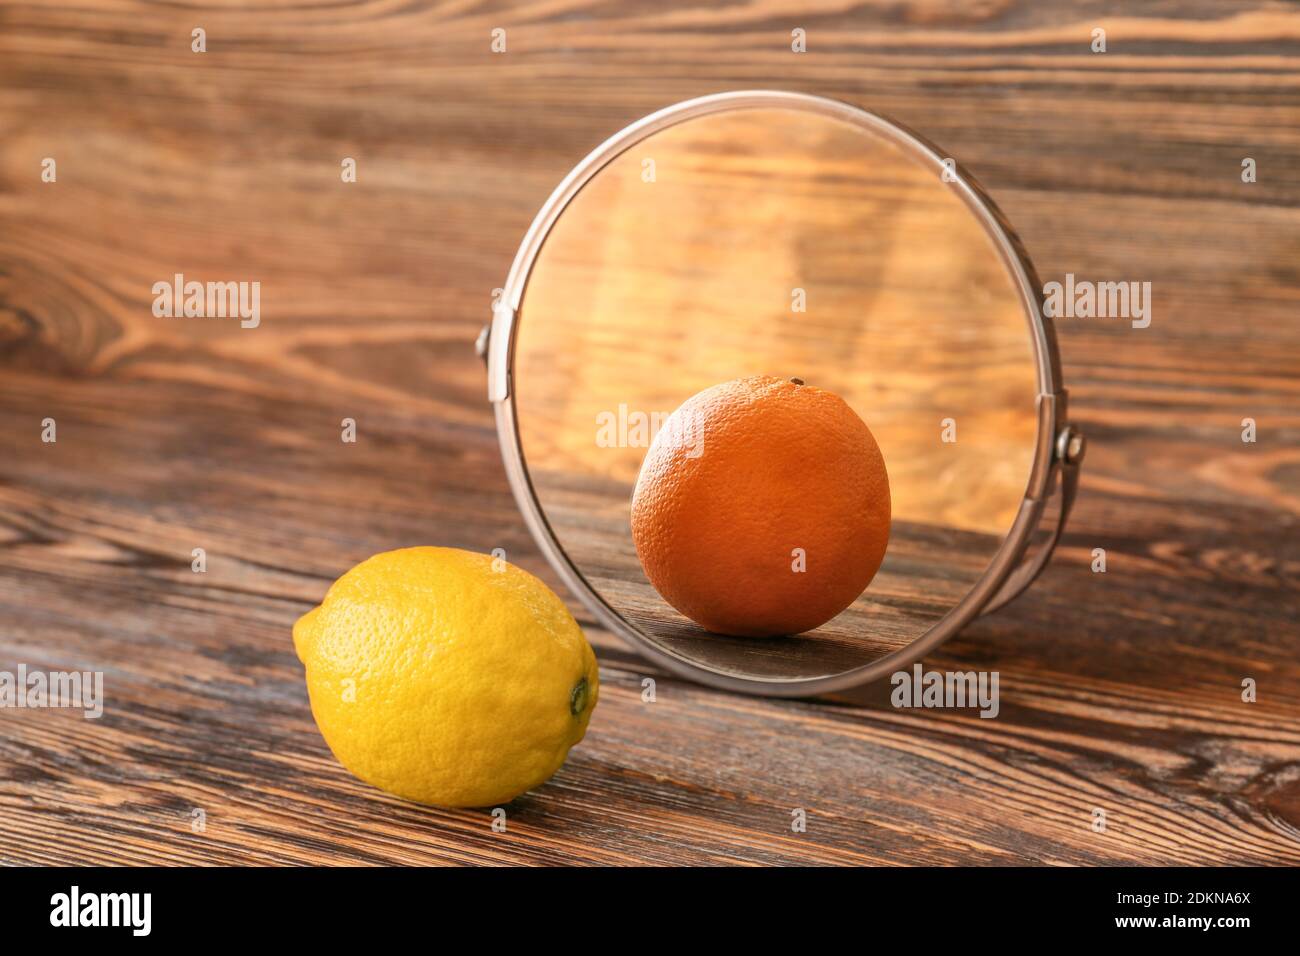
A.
x: 447, y: 677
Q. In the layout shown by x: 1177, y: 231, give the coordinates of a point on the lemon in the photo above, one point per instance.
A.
x: 447, y: 677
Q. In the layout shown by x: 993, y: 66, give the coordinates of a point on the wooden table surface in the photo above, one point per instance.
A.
x: 1120, y: 691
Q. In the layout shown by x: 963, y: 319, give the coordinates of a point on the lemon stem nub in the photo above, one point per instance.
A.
x: 578, y: 699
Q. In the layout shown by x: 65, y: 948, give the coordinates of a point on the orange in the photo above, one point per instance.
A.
x: 762, y: 507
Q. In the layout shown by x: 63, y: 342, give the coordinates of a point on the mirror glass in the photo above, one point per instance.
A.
x: 782, y: 242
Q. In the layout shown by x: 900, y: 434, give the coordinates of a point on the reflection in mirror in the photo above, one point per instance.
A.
x: 779, y: 242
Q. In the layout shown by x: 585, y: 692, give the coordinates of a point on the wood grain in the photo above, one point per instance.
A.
x: 1120, y: 691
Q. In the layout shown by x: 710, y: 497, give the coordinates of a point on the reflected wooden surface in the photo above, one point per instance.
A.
x: 590, y: 518
x: 778, y: 242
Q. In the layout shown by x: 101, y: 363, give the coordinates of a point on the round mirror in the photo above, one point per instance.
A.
x: 797, y: 238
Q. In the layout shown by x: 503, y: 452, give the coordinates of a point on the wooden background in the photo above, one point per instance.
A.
x: 1120, y: 691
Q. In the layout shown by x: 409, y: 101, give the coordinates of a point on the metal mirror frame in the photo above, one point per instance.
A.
x: 1058, y: 453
